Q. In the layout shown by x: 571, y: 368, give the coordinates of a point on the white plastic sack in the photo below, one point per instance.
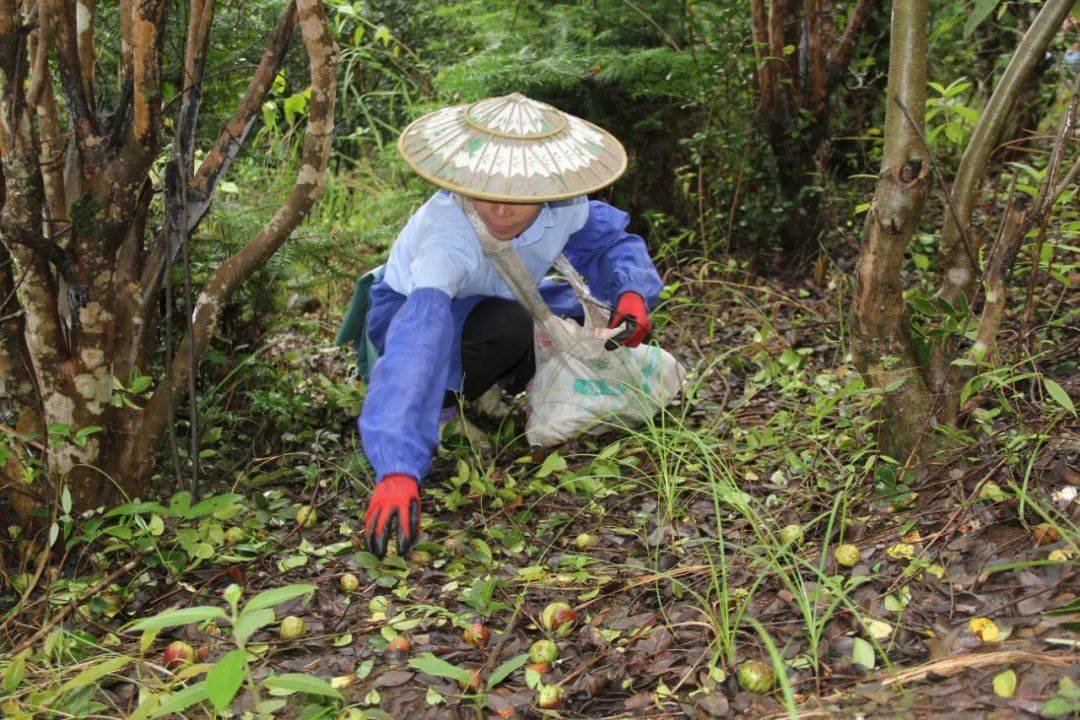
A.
x: 579, y: 386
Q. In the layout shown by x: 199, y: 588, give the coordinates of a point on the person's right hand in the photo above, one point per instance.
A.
x: 394, y: 506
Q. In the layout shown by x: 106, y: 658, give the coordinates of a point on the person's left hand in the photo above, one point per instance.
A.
x: 631, y: 312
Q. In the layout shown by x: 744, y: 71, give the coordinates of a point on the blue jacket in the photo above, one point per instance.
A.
x: 435, y: 276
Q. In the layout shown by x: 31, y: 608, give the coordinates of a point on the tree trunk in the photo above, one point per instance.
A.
x: 881, y: 342
x: 81, y: 298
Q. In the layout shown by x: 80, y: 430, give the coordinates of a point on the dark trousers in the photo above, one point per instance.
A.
x: 496, y: 347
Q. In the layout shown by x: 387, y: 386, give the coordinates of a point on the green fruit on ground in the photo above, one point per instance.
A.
x: 584, y: 541
x: 292, y: 628
x: 847, y: 555
x: 306, y: 516
x: 550, y: 697
x: 349, y: 582
x: 791, y: 534
x: 178, y: 653
x: 756, y: 677
x: 544, y: 651
x: 235, y: 535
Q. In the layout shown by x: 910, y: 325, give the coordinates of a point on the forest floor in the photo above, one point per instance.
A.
x: 665, y: 540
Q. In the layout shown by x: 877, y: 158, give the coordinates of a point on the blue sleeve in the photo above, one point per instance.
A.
x: 399, y: 425
x: 612, y: 260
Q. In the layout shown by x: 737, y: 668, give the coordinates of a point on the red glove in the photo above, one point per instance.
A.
x: 394, y: 507
x: 631, y: 312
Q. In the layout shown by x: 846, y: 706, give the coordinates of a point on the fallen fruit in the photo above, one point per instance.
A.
x: 235, y: 535
x: 292, y: 628
x: 538, y: 667
x: 756, y: 677
x: 584, y: 541
x: 476, y: 634
x: 420, y: 557
x: 178, y: 653
x: 847, y: 555
x: 306, y: 516
x: 1044, y: 534
x: 547, y: 617
x: 791, y: 534
x: 349, y: 582
x: 985, y: 629
x: 474, y: 683
x: 543, y: 651
x: 550, y: 697
x: 399, y: 643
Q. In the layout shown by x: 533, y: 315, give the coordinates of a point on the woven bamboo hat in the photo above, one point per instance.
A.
x: 512, y: 149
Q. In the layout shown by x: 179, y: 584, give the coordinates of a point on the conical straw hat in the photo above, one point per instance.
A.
x: 512, y: 149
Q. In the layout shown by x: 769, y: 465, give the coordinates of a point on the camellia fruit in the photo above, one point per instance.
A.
x: 473, y: 683
x: 584, y: 541
x: 178, y: 653
x: 791, y: 534
x: 349, y: 582
x: 543, y: 651
x: 847, y: 555
x: 292, y: 628
x: 306, y: 516
x: 550, y: 697
x: 559, y: 618
x: 538, y: 667
x: 1045, y: 534
x: 235, y: 535
x: 399, y: 643
x: 756, y: 677
x: 476, y: 634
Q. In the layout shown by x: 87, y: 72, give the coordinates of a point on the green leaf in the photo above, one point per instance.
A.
x: 862, y: 653
x: 94, y: 673
x: 250, y: 621
x: 184, y: 699
x: 982, y: 10
x: 269, y: 598
x: 428, y: 663
x: 179, y: 616
x: 225, y: 678
x: 1059, y: 395
x: 504, y: 670
x: 1005, y: 683
x: 14, y: 675
x: 552, y: 463
x: 1056, y: 707
x: 302, y: 683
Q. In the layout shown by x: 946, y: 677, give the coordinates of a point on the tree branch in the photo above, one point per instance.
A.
x: 840, y: 56
x: 960, y: 277
x: 309, y: 185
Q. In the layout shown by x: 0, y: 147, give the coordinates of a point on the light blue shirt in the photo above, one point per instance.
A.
x: 438, y: 248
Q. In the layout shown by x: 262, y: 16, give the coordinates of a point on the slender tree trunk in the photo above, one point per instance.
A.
x: 881, y: 341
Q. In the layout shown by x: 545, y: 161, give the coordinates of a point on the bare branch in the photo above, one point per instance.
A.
x: 961, y: 274
x: 309, y: 185
x: 80, y: 106
x: 840, y: 56
x: 235, y: 132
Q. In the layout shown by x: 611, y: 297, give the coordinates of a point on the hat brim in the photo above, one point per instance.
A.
x: 578, y: 160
